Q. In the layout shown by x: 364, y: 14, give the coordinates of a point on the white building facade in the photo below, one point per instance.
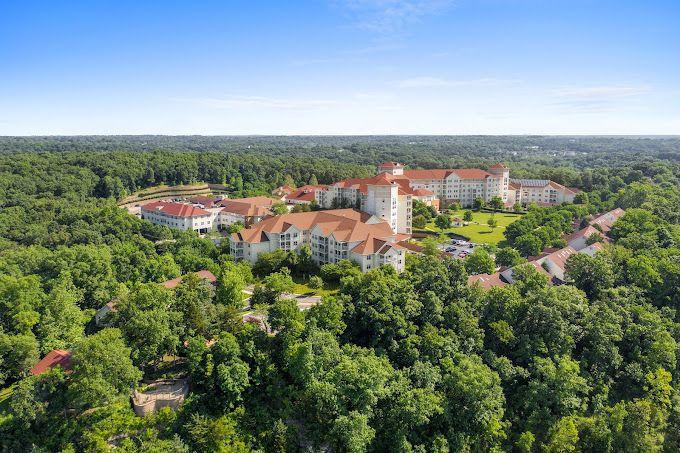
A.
x: 341, y: 234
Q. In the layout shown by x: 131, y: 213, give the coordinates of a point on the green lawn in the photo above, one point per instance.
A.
x: 302, y: 287
x: 4, y: 397
x: 477, y: 230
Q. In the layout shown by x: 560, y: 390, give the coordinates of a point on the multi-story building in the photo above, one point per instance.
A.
x: 385, y: 196
x: 244, y: 210
x: 303, y: 195
x: 390, y: 194
x: 205, y: 214
x: 462, y: 185
x: 332, y: 236
x: 178, y: 215
x: 539, y: 191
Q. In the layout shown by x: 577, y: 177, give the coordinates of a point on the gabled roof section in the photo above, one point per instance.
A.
x: 487, y: 281
x: 347, y: 225
x: 390, y: 165
x: 440, y: 173
x: 305, y: 193
x: 606, y: 220
x: 204, y: 275
x: 559, y: 258
x: 57, y: 357
x: 175, y: 209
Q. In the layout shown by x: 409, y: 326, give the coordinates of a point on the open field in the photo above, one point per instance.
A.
x: 477, y: 230
x: 302, y: 287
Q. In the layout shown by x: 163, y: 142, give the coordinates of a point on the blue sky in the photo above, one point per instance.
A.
x: 340, y: 67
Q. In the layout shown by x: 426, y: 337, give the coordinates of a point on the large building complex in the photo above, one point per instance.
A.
x: 204, y: 214
x: 332, y: 236
x: 462, y: 185
x: 539, y: 191
x: 390, y: 194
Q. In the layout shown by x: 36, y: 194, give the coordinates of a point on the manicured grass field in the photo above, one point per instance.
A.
x: 302, y: 287
x: 477, y: 230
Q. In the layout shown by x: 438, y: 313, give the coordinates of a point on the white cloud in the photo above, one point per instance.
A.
x: 601, y: 92
x: 437, y: 82
x: 596, y: 99
x: 387, y: 16
x: 258, y: 102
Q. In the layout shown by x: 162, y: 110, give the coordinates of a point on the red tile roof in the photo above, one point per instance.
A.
x: 305, y: 193
x: 606, y: 220
x: 390, y: 165
x: 498, y: 166
x: 439, y: 173
x: 175, y: 209
x: 204, y: 274
x: 205, y: 200
x: 487, y: 281
x: 560, y: 257
x: 423, y: 193
x: 582, y: 233
x: 57, y: 357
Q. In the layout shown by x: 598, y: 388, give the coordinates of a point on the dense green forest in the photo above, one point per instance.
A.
x: 417, y: 362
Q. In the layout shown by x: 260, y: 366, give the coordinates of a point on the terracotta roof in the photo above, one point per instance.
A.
x: 245, y: 209
x: 305, y: 193
x: 345, y: 225
x: 487, y: 281
x: 513, y: 185
x: 498, y: 166
x: 606, y: 220
x: 559, y: 258
x: 57, y: 357
x: 204, y: 274
x: 284, y: 189
x: 423, y: 192
x: 462, y: 173
x: 383, y: 179
x: 557, y: 186
x: 205, y: 200
x: 175, y: 209
x: 582, y: 233
x: 390, y: 165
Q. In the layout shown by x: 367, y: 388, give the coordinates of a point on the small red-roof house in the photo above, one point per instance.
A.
x: 57, y: 357
x: 204, y: 275
x: 487, y: 281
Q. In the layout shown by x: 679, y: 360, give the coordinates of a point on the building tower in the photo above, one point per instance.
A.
x: 504, y: 173
x: 393, y: 168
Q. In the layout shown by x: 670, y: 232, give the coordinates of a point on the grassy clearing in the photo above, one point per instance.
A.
x: 302, y: 287
x: 4, y: 397
x: 477, y: 230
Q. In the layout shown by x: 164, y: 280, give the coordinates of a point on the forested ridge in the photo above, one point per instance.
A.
x: 417, y: 362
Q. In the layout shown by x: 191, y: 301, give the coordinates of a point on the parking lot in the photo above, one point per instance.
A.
x: 458, y: 248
